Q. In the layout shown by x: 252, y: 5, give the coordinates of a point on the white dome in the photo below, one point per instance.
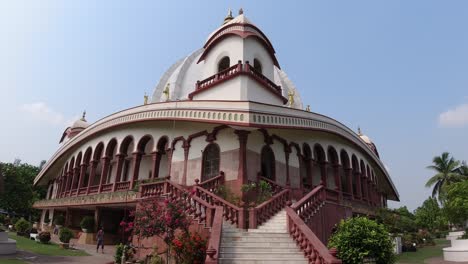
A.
x: 366, y: 139
x: 80, y: 123
x: 183, y: 75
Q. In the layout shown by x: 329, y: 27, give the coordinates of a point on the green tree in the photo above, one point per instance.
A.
x: 18, y: 183
x: 447, y: 172
x: 456, y: 205
x: 398, y: 220
x: 430, y: 216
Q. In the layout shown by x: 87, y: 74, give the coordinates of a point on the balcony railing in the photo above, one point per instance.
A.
x: 235, y: 70
x: 122, y: 186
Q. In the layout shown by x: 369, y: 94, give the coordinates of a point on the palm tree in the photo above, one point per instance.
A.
x: 447, y: 169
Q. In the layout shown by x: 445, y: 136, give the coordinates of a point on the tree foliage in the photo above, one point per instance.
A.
x: 430, y: 216
x: 447, y: 172
x: 399, y: 220
x: 359, y: 238
x: 18, y: 182
x: 456, y: 203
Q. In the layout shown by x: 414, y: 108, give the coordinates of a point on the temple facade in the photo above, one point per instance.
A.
x: 227, y: 114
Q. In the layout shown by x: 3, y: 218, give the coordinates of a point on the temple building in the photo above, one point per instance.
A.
x: 226, y: 114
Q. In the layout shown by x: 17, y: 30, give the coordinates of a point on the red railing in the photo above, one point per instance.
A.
x: 93, y: 189
x: 267, y: 209
x: 261, y: 78
x: 314, y: 250
x: 122, y: 186
x: 73, y: 192
x: 231, y: 72
x: 106, y: 187
x: 153, y: 189
x: 310, y: 204
x: 214, y: 242
x: 275, y: 188
x: 213, y: 183
x: 231, y: 212
x: 82, y: 190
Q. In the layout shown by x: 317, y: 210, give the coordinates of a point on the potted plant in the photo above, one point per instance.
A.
x: 44, y: 237
x: 87, y: 224
x: 64, y: 236
x: 59, y: 220
x: 22, y: 226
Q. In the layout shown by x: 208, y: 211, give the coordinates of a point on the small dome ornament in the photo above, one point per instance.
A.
x: 241, y: 11
x: 308, y: 108
x: 359, y: 131
x: 291, y: 98
x: 166, y: 91
x: 228, y: 17
x: 145, y: 99
x: 83, y: 117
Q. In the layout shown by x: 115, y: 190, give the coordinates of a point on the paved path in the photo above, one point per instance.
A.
x: 95, y: 258
x: 440, y: 260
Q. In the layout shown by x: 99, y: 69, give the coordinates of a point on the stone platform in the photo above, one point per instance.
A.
x: 7, y: 245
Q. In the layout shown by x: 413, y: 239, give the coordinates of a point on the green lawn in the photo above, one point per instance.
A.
x: 424, y: 253
x: 12, y: 261
x: 43, y: 249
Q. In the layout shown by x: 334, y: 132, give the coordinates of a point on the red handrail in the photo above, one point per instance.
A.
x: 214, y: 242
x: 213, y: 183
x: 309, y: 204
x: 314, y: 250
x: 275, y: 188
x: 267, y: 209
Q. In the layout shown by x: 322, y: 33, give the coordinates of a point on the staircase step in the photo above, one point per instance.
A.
x: 263, y: 255
x: 261, y: 261
x: 256, y: 249
x: 288, y: 244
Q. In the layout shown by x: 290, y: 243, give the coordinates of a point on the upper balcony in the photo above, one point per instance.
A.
x: 261, y: 89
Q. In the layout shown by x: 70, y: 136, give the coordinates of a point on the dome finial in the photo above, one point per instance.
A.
x: 228, y: 17
x: 83, y: 118
x: 359, y: 131
x: 241, y: 11
x: 145, y: 99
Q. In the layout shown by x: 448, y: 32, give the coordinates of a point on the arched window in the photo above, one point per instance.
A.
x: 210, y: 164
x: 268, y: 163
x: 257, y: 66
x: 223, y: 64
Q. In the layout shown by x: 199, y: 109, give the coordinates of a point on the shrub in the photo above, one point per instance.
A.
x: 189, y: 248
x: 65, y: 235
x: 87, y: 223
x: 358, y: 238
x: 2, y: 219
x: 44, y: 237
x: 465, y: 235
x: 59, y: 220
x: 22, y: 226
x: 121, y: 250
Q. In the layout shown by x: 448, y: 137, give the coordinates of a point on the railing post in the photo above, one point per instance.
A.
x: 239, y: 65
x: 252, y: 218
x: 241, y: 219
x: 247, y: 66
x: 197, y: 85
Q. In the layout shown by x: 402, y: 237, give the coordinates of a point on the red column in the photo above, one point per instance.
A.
x: 336, y: 171
x: 67, y: 183
x: 156, y: 157
x: 323, y: 173
x: 92, y: 174
x: 357, y: 176
x: 136, y: 168
x: 349, y: 176
x: 82, y: 174
x: 105, y: 170
x: 76, y: 174
x: 186, y: 147
x: 242, y: 136
x: 287, y: 151
x: 118, y: 175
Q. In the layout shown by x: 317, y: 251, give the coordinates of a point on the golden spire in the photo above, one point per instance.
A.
x: 291, y: 98
x: 228, y: 17
x: 83, y: 118
x: 145, y: 99
x: 166, y: 91
x: 308, y: 108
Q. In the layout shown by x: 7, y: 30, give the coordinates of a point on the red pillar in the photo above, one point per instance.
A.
x: 105, y: 170
x: 242, y: 136
x: 186, y: 147
x: 156, y: 157
x: 349, y: 176
x: 76, y: 174
x: 118, y: 175
x: 82, y: 174
x: 287, y: 151
x: 92, y: 174
x: 136, y: 168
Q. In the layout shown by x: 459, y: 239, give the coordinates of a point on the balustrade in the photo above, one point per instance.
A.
x: 106, y: 187
x: 122, y: 186
x: 82, y: 190
x: 213, y: 183
x: 314, y: 250
x: 93, y: 189
x: 267, y: 209
x: 308, y: 206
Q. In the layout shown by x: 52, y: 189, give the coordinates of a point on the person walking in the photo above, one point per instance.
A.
x: 100, y: 240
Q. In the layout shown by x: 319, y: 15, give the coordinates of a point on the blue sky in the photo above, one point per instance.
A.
x: 398, y: 69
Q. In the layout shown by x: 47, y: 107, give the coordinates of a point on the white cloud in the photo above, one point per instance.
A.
x: 41, y: 111
x: 455, y: 117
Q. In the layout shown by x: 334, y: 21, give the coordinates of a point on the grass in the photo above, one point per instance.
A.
x: 12, y: 261
x: 43, y: 249
x: 424, y: 253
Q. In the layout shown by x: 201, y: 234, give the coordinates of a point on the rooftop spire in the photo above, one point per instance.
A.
x: 83, y: 118
x: 228, y: 17
x: 241, y: 11
x: 359, y: 131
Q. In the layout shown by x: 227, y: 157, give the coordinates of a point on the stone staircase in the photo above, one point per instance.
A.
x: 270, y: 243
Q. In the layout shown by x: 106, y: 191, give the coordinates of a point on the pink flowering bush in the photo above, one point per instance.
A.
x: 189, y: 248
